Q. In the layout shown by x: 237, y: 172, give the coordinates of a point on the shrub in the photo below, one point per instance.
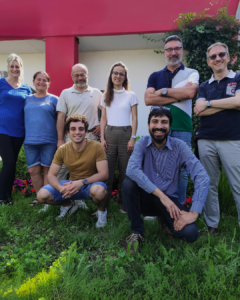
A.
x: 21, y: 167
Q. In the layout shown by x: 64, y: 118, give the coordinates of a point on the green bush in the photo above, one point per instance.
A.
x: 21, y: 167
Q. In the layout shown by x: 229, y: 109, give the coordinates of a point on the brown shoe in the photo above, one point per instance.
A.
x: 132, y: 239
x: 213, y: 231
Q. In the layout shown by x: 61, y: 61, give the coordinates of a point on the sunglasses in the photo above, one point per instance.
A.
x: 214, y: 56
x: 159, y: 107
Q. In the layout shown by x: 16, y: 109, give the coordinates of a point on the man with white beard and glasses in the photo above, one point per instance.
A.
x: 79, y: 99
x: 174, y: 87
x: 151, y: 185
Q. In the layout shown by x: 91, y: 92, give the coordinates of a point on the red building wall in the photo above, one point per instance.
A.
x: 60, y: 21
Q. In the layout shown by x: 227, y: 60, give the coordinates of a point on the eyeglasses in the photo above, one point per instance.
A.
x: 159, y: 107
x: 214, y: 56
x: 176, y: 49
x: 120, y: 74
x: 79, y: 75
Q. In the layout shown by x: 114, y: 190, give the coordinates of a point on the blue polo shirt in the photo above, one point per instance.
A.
x: 181, y: 111
x: 224, y: 125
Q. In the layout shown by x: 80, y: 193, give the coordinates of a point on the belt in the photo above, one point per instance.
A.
x: 91, y: 130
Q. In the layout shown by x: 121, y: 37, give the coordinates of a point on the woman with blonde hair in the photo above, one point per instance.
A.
x: 40, y: 142
x: 12, y: 98
x: 118, y: 139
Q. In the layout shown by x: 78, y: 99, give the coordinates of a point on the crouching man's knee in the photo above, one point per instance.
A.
x: 98, y: 192
x: 190, y: 233
x: 44, y: 196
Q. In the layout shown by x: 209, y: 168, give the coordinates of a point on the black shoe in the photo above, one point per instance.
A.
x: 132, y: 239
x: 5, y: 202
x: 213, y: 231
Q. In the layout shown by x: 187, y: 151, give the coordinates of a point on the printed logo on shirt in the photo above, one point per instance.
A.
x: 231, y: 87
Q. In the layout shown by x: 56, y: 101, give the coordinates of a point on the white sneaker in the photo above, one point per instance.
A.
x: 150, y: 218
x: 67, y: 210
x: 82, y: 204
x: 45, y: 208
x: 102, y: 218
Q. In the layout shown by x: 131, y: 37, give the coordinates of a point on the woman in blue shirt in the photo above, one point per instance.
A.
x: 12, y: 98
x: 40, y: 142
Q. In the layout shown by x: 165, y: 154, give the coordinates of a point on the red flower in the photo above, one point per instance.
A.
x: 188, y: 200
x: 26, y: 187
x: 25, y: 182
x: 23, y: 191
x: 113, y: 193
x: 117, y: 195
x: 13, y: 189
x: 33, y: 190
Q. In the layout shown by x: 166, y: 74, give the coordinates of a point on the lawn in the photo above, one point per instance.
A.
x: 90, y: 263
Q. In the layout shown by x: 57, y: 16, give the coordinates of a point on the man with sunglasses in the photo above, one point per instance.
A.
x: 79, y: 99
x: 218, y: 106
x: 175, y: 86
x: 151, y: 185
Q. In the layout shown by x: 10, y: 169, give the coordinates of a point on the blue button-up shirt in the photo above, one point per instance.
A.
x: 151, y: 168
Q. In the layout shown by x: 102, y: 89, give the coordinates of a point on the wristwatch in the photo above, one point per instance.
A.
x: 133, y: 136
x: 85, y: 182
x: 208, y: 104
x: 164, y: 92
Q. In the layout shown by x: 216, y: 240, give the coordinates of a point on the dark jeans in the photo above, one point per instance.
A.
x: 9, y: 149
x: 137, y: 202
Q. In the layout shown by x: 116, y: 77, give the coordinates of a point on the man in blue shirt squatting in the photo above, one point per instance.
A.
x: 218, y: 106
x: 174, y: 87
x: 151, y: 185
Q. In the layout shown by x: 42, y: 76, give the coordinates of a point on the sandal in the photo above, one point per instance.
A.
x: 34, y: 202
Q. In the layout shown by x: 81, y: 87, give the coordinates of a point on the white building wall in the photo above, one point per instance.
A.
x: 140, y: 63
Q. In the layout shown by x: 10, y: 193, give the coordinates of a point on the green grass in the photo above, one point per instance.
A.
x: 98, y: 267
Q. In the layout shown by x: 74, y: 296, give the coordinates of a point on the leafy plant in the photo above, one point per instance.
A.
x: 24, y: 186
x: 21, y: 167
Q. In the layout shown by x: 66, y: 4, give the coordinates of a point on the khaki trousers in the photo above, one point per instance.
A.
x: 117, y: 138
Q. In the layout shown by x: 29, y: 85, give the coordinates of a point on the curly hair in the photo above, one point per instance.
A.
x: 109, y: 90
x: 76, y: 118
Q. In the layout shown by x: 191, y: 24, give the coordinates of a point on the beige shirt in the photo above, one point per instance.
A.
x: 87, y: 103
x: 80, y: 164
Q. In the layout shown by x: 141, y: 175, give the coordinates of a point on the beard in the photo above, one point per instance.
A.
x: 159, y: 140
x: 83, y: 84
x: 177, y: 60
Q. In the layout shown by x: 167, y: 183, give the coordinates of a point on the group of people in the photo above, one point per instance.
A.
x: 62, y: 136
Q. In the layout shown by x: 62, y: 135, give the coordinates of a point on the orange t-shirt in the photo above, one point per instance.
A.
x: 80, y: 164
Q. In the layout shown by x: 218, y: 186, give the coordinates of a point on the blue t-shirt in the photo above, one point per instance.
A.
x: 40, y: 118
x: 223, y: 125
x: 11, y: 108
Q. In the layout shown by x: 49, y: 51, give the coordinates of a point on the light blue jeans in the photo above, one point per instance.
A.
x: 183, y: 179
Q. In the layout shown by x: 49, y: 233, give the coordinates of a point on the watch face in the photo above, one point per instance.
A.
x: 164, y: 92
x: 85, y: 182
